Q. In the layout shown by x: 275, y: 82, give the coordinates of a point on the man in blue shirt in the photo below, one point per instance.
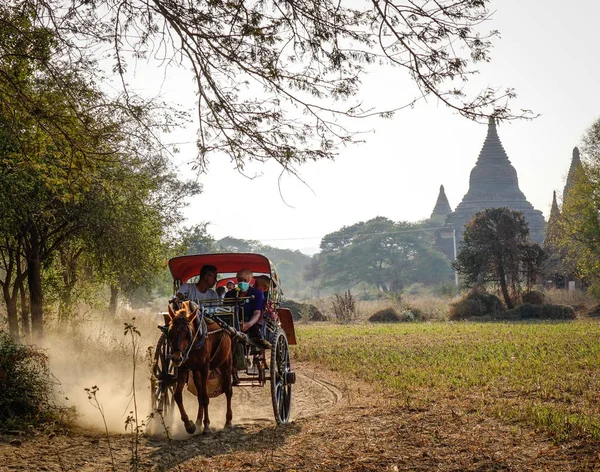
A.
x: 253, y: 306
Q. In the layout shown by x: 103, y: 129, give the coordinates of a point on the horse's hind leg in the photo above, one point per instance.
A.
x: 199, y: 389
x: 227, y: 388
x: 190, y: 427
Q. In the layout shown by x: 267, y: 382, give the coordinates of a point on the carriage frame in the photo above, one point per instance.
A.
x: 249, y: 357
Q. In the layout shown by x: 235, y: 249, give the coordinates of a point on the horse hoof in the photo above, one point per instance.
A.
x: 228, y: 426
x: 206, y: 431
x: 190, y: 427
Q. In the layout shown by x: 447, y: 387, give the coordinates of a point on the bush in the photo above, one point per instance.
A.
x: 344, y: 307
x: 528, y: 311
x: 534, y: 298
x: 26, y: 387
x: 412, y: 313
x: 387, y: 315
x: 594, y: 312
x: 304, y: 311
x: 476, y: 303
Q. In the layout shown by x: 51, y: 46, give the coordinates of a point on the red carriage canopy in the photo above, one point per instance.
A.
x: 186, y: 267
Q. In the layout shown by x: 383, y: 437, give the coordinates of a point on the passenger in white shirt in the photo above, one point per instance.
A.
x: 201, y: 290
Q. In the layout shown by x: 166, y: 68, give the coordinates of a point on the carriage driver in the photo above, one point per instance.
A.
x: 201, y: 290
x: 252, y: 306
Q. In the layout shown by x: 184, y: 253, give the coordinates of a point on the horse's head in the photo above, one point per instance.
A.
x: 181, y: 332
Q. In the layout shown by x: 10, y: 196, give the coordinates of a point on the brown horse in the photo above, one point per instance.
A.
x: 199, y: 348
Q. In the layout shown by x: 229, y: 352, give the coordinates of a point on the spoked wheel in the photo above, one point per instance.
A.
x: 282, y: 378
x: 162, y: 387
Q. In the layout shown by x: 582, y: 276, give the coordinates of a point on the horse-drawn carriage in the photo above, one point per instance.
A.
x: 210, y: 322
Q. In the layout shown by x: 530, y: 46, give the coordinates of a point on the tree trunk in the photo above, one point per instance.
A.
x: 11, y: 311
x: 504, y: 288
x: 114, y: 297
x: 34, y: 280
x: 24, y: 311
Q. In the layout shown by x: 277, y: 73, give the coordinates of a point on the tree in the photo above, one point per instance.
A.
x: 580, y: 220
x: 381, y: 253
x: 91, y: 178
x: 255, y: 63
x: 496, y: 249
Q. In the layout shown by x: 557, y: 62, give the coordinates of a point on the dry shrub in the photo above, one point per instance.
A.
x: 303, y: 311
x: 411, y: 313
x: 26, y: 387
x: 574, y: 298
x: 594, y: 312
x: 387, y: 315
x: 428, y: 308
x: 344, y: 307
x: 476, y: 303
x: 527, y: 311
x: 534, y: 298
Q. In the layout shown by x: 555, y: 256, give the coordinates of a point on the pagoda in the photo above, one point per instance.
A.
x: 441, y: 209
x: 494, y: 184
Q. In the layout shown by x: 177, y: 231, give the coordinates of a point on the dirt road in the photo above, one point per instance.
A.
x: 337, y: 425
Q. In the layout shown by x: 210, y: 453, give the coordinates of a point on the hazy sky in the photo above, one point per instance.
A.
x: 547, y: 52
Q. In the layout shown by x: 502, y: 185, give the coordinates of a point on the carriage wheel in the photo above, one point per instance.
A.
x: 282, y: 378
x: 162, y: 387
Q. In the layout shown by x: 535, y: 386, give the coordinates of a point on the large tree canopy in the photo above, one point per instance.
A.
x: 271, y: 75
x: 382, y: 253
x: 75, y: 170
x: 496, y: 249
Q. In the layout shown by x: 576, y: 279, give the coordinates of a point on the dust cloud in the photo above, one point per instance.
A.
x: 97, y: 353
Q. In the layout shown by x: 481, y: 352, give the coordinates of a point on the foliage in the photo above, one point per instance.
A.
x: 269, y: 75
x: 343, y: 307
x: 382, y: 253
x: 580, y: 221
x: 303, y: 311
x: 534, y: 298
x: 195, y: 240
x: 496, y: 249
x: 26, y: 386
x: 387, y: 315
x: 528, y: 311
x: 476, y: 303
x: 78, y: 173
x: 453, y: 363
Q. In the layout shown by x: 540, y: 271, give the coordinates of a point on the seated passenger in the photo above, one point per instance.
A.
x: 221, y: 291
x: 230, y: 285
x: 264, y: 284
x: 252, y: 322
x: 201, y: 290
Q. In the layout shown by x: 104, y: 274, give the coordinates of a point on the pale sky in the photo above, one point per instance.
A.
x: 547, y: 51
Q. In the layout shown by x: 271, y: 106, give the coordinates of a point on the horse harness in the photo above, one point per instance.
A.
x: 196, y: 342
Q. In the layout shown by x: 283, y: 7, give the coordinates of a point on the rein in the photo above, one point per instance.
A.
x: 192, y: 344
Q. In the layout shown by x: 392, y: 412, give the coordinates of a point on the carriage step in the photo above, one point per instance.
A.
x: 249, y: 383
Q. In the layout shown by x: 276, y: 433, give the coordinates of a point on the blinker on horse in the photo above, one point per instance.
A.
x: 200, y: 348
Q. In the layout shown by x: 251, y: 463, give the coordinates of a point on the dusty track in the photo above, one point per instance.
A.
x: 338, y: 425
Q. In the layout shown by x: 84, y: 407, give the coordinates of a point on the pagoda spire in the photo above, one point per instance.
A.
x: 442, y: 207
x: 575, y: 166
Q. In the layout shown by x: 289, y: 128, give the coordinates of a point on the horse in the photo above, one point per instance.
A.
x: 199, y: 347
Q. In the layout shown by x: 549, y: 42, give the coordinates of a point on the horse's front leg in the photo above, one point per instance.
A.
x: 190, y: 427
x: 203, y: 397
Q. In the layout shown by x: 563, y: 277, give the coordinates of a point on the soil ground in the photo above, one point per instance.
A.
x: 337, y: 425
